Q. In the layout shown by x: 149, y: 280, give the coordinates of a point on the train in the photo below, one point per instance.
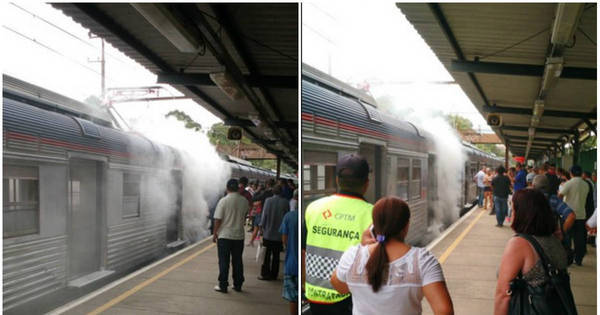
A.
x: 84, y: 201
x: 337, y: 119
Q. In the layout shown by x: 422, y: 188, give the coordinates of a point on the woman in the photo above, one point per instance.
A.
x: 531, y: 215
x: 389, y: 276
x: 487, y: 191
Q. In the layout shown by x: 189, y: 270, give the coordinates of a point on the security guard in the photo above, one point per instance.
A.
x: 332, y: 225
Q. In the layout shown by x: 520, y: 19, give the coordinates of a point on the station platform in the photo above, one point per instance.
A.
x: 470, y: 252
x: 183, y: 284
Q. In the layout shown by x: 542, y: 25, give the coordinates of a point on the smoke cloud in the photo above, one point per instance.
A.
x: 204, y: 172
x: 449, y: 161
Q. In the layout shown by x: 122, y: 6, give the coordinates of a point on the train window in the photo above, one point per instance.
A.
x: 21, y: 200
x: 416, y: 180
x: 402, y: 178
x: 131, y: 195
x: 320, y: 177
x: 306, y: 177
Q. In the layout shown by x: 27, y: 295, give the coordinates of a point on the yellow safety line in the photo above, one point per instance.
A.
x: 140, y: 286
x: 459, y: 238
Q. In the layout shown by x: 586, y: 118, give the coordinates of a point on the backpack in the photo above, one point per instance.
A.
x: 552, y: 297
x: 589, y: 200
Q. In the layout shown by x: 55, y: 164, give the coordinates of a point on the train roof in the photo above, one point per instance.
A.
x: 329, y: 102
x: 48, y: 127
x: 47, y: 99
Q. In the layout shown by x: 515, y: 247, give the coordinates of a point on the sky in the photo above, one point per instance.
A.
x: 348, y: 39
x: 375, y: 43
x: 65, y: 63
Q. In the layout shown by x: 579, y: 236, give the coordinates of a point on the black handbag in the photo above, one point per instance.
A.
x: 552, y: 297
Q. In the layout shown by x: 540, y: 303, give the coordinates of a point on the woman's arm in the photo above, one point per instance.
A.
x: 438, y: 297
x: 512, y: 262
x: 338, y: 285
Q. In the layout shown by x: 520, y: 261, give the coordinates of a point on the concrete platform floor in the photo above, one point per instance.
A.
x: 184, y: 285
x: 470, y: 268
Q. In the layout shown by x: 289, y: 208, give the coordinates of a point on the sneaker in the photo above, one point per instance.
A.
x: 499, y: 225
x: 237, y: 289
x: 219, y: 289
x: 263, y: 278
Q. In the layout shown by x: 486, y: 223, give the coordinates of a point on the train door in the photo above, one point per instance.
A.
x: 85, y: 199
x: 174, y: 218
x: 373, y: 154
x: 432, y: 186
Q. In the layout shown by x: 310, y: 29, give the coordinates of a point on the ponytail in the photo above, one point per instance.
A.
x: 390, y: 217
x: 376, y: 266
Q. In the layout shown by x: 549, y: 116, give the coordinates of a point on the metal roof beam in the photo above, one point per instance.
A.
x: 529, y: 111
x: 285, y: 82
x: 218, y: 49
x: 519, y: 69
x: 512, y: 138
x: 439, y: 15
x: 542, y: 130
x: 248, y: 123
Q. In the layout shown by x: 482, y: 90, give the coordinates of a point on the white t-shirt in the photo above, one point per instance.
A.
x: 232, y: 210
x: 401, y: 292
x: 479, y: 177
x: 575, y: 192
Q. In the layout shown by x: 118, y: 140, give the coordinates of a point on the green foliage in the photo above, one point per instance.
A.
x: 189, y: 122
x: 218, y: 135
x: 588, y: 144
x: 458, y: 122
x: 490, y: 148
x: 272, y: 165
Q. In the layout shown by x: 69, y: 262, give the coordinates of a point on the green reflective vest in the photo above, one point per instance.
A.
x: 333, y: 224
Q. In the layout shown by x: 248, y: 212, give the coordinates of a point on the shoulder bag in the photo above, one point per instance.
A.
x: 552, y: 297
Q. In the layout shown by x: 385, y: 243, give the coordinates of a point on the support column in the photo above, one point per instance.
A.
x: 506, y: 157
x: 278, y: 166
x: 576, y: 148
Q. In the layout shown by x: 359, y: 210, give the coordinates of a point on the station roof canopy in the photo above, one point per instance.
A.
x: 239, y: 61
x: 531, y: 64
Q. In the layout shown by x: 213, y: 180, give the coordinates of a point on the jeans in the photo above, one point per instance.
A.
x: 501, y: 207
x: 270, y: 266
x: 230, y: 250
x: 480, y: 196
x: 579, y: 235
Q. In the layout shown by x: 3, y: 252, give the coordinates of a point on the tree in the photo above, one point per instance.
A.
x: 181, y: 116
x: 458, y: 122
x: 490, y: 148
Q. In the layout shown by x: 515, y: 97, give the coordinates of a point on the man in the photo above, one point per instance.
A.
x: 229, y: 234
x: 553, y: 180
x: 289, y: 236
x: 259, y: 201
x: 478, y: 178
x: 294, y: 201
x: 500, y: 191
x: 242, y: 190
x: 589, y: 202
x: 272, y: 214
x: 332, y: 224
x: 532, y: 172
x: 520, y: 178
x: 574, y: 193
x: 561, y: 209
x: 286, y: 191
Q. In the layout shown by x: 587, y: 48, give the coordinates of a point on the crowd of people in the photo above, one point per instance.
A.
x: 270, y: 209
x: 355, y: 259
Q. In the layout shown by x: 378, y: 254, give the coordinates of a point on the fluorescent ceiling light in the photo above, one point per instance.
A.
x: 169, y: 26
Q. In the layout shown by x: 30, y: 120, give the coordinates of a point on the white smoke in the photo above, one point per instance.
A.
x: 449, y: 159
x: 204, y: 172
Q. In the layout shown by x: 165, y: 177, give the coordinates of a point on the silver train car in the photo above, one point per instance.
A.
x: 79, y: 196
x: 338, y: 119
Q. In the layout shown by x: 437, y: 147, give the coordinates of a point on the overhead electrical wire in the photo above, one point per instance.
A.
x: 55, y: 51
x: 37, y: 16
x: 515, y: 44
